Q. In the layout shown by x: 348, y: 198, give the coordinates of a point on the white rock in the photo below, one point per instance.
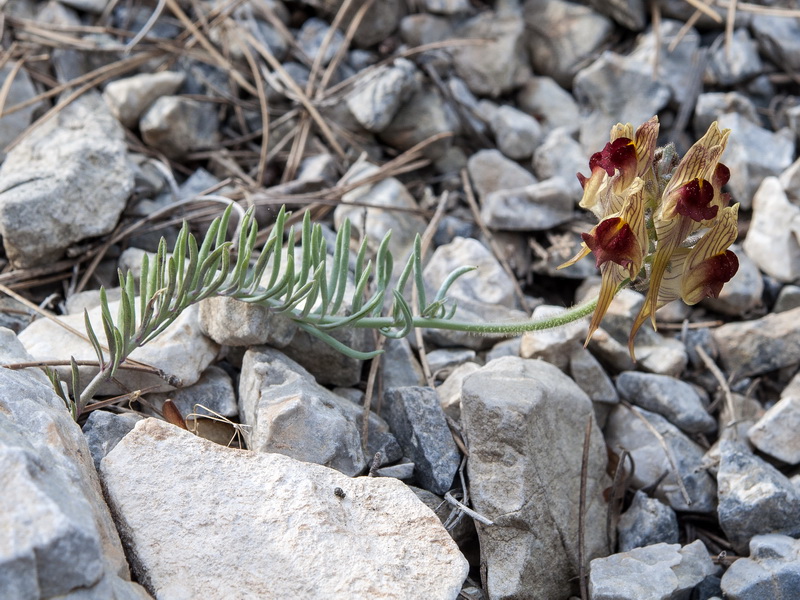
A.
x: 516, y: 132
x: 177, y: 126
x: 773, y: 239
x: 58, y: 537
x: 656, y: 571
x: 776, y: 432
x: 203, y: 521
x: 554, y: 345
x: 128, y: 98
x: 375, y: 100
x: 181, y: 350
x: 19, y: 91
x: 67, y: 181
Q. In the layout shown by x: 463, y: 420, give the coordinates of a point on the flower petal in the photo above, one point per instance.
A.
x: 612, y: 276
x: 694, y: 200
x: 700, y: 162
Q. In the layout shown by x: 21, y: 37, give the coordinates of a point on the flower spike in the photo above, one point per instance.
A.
x: 639, y: 226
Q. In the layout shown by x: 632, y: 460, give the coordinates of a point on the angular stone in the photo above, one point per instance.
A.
x: 450, y: 391
x: 776, y: 432
x: 374, y: 100
x: 647, y: 521
x: 399, y: 366
x: 178, y: 126
x: 130, y: 97
x: 516, y: 132
x: 560, y: 155
x: 734, y: 63
x: 231, y: 322
x: 562, y: 35
x: 590, y: 376
x: 597, y: 90
x: 657, y: 571
x: 752, y: 154
x: 671, y: 398
x: 211, y: 395
x: 625, y: 430
x: 103, y: 430
x: 754, y: 347
x: 297, y: 528
x: 67, y: 181
x: 772, y: 570
x: 181, y: 350
x: 536, y: 207
x: 58, y: 537
x: 20, y: 90
x: 554, y: 345
x: 490, y: 171
x: 773, y: 238
x: 754, y: 497
x: 525, y: 421
x: 417, y: 420
x: 289, y: 413
x: 484, y: 295
x: 491, y: 69
x: 549, y: 103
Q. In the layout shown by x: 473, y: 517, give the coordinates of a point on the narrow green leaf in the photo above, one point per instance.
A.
x: 420, y: 282
x: 76, y: 377
x: 360, y: 274
x: 336, y: 344
x: 98, y: 350
x: 401, y: 312
x: 277, y: 235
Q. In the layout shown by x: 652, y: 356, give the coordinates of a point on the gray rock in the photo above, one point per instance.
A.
x: 379, y: 23
x: 67, y: 181
x: 212, y: 392
x: 742, y: 294
x: 504, y: 348
x: 554, y: 345
x: 647, y: 521
x: 424, y: 115
x: 560, y: 155
x: 517, y: 133
x: 773, y: 239
x: 446, y: 7
x: 779, y: 39
x: 788, y: 298
x: 178, y: 126
x: 628, y: 13
x: 231, y: 322
x: 92, y: 6
x: 654, y: 353
x: 536, y: 207
x: 59, y: 539
x: 597, y: 91
x: 735, y: 63
x: 490, y: 172
x: 295, y: 524
x: 374, y: 223
x: 20, y: 91
x: 754, y: 497
x: 591, y: 377
x: 562, y: 35
x: 673, y: 63
x: 549, y: 103
x: 181, y: 350
x: 484, y: 295
x: 772, y: 570
x: 399, y: 366
x: 790, y: 180
x: 417, y: 421
x: 311, y: 36
x: 653, y: 467
x: 403, y: 471
x: 776, y: 432
x: 524, y: 421
x: 443, y: 360
x: 675, y: 400
x: 712, y: 105
x: 130, y: 97
x: 103, y: 430
x: 374, y: 100
x: 492, y: 68
x: 754, y: 347
x: 450, y: 391
x: 289, y: 413
x: 419, y: 29
x: 752, y: 154
x: 657, y: 571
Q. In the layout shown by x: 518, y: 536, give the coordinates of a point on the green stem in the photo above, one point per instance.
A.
x: 509, y: 328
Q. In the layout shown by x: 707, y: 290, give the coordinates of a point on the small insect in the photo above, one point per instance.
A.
x: 339, y: 492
